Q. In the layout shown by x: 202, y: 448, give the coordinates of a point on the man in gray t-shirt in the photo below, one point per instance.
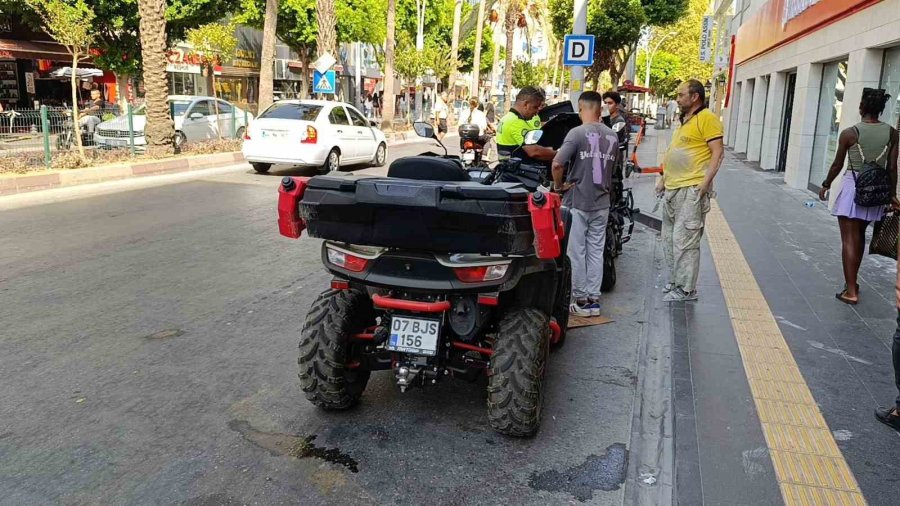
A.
x: 582, y: 171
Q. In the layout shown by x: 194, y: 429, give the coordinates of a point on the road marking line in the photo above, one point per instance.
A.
x: 809, y: 466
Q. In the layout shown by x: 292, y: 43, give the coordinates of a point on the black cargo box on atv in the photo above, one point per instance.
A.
x: 444, y: 217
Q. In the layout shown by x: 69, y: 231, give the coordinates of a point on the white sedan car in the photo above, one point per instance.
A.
x: 313, y: 133
x: 196, y: 119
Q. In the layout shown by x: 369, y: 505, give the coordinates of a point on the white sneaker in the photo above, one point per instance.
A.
x: 679, y: 295
x: 594, y: 307
x: 668, y: 287
x: 579, y: 310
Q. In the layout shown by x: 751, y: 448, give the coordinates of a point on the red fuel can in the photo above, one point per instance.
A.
x: 546, y: 220
x: 290, y: 192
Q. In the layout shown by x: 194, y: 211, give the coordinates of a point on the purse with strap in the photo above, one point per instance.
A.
x: 873, y: 182
x: 885, y: 235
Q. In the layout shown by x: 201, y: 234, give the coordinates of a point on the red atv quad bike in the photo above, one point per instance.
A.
x: 435, y: 276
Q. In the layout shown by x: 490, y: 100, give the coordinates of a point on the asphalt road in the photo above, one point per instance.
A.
x: 149, y: 343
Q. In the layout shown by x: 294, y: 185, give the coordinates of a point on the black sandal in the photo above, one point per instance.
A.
x: 841, y: 296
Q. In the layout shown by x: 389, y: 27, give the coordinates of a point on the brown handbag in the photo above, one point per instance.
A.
x: 884, y: 237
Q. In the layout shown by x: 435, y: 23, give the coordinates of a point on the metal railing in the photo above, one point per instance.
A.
x: 27, y: 135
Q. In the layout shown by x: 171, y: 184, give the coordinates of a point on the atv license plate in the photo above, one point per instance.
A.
x: 468, y: 156
x: 414, y: 335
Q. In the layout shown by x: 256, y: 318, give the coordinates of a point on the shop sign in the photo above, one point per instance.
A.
x: 793, y: 8
x: 706, y: 36
x: 29, y: 83
x: 183, y: 68
x: 244, y: 58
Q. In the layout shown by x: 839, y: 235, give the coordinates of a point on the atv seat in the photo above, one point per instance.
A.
x: 428, y: 168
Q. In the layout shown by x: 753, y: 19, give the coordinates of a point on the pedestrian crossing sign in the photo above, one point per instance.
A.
x: 324, y: 82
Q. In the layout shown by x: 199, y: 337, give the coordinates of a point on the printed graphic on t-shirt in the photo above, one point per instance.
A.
x: 597, y: 156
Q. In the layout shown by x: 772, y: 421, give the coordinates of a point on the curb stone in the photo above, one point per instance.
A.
x: 45, y: 180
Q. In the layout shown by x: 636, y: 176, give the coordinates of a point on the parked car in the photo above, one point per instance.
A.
x: 196, y: 119
x: 313, y: 133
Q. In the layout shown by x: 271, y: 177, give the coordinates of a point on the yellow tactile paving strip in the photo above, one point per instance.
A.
x: 808, y: 464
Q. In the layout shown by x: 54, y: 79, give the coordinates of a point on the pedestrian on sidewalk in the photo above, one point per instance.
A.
x: 589, y: 151
x: 870, y: 141
x: 686, y: 186
x: 618, y: 123
x: 441, y: 111
x: 891, y: 416
x: 671, y: 112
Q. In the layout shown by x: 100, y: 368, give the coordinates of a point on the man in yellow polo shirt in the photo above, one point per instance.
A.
x: 691, y: 163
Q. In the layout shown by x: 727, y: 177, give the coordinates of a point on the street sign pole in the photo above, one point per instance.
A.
x: 579, y: 25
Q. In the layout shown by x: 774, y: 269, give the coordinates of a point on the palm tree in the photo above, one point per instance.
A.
x: 159, y: 129
x: 476, y: 67
x: 387, y: 95
x: 513, y: 10
x: 267, y: 61
x: 326, y: 41
x: 454, y: 43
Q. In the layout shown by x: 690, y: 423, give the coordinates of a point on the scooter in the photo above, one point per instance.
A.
x: 66, y: 139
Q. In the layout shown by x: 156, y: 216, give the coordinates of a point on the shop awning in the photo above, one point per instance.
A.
x: 29, y: 50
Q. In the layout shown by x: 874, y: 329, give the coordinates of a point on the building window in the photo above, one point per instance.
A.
x: 828, y: 124
x: 890, y: 81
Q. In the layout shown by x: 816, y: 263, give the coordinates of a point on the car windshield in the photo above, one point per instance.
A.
x: 284, y: 110
x: 178, y: 106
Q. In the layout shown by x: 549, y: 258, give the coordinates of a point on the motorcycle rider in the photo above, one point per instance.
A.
x: 474, y: 116
x: 517, y: 122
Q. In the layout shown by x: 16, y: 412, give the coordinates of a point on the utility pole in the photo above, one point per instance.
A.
x: 420, y: 45
x: 579, y: 27
x: 651, y: 54
x: 476, y: 68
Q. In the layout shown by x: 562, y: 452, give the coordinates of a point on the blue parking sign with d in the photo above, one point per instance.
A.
x: 578, y: 50
x: 324, y: 83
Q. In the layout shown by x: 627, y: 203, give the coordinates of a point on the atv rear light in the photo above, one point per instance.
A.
x: 481, y: 273
x: 347, y: 261
x: 468, y: 145
x: 340, y: 284
x: 310, y: 137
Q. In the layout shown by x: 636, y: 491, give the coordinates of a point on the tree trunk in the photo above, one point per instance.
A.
x: 512, y: 11
x: 122, y: 92
x: 476, y: 67
x: 304, y: 76
x: 495, y: 69
x: 76, y: 123
x: 387, y: 94
x: 454, y: 45
x: 326, y: 39
x: 267, y: 62
x: 159, y: 130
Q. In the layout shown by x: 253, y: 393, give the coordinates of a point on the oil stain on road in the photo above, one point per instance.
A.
x: 604, y: 472
x: 299, y: 447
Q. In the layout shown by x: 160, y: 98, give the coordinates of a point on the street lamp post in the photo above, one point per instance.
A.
x: 650, y: 56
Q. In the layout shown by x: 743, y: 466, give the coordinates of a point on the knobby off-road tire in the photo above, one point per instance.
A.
x: 515, y: 387
x: 609, y: 262
x: 563, y: 299
x: 325, y: 349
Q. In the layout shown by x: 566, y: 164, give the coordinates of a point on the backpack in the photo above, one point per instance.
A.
x: 873, y: 183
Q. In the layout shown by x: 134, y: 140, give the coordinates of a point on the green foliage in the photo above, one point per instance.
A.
x: 118, y: 36
x: 526, y: 74
x: 665, y: 71
x: 561, y: 17
x: 664, y: 12
x: 686, y: 44
x: 70, y: 24
x: 296, y: 25
x: 183, y: 15
x: 410, y: 64
x: 357, y: 20
x: 438, y: 20
x: 215, y: 42
x: 467, y: 51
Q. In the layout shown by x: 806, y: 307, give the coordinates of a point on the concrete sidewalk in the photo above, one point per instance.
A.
x: 725, y: 443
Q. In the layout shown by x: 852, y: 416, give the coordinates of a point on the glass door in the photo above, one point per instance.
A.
x: 890, y: 82
x: 831, y: 102
x: 788, y: 113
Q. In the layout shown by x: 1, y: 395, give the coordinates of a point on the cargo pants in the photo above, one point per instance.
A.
x: 683, y: 219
